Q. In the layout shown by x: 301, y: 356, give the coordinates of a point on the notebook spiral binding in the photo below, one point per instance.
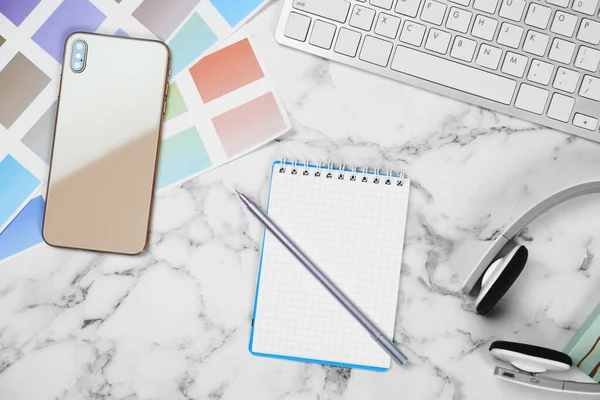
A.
x: 341, y: 171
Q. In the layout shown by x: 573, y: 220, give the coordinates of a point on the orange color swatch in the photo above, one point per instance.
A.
x: 226, y: 70
x: 249, y: 124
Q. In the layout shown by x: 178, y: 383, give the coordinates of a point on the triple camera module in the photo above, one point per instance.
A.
x: 78, y: 56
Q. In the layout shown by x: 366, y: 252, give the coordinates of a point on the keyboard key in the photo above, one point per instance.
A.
x: 589, y: 31
x: 562, y: 51
x: 412, y: 33
x: 489, y: 6
x: 376, y: 51
x: 585, y: 6
x: 362, y: 17
x: 459, y: 20
x: 322, y: 34
x: 585, y: 122
x: 461, y: 2
x: 560, y: 3
x: 538, y: 16
x: 587, y: 59
x: 297, y: 26
x: 387, y: 4
x: 347, y: 42
x: 438, y: 41
x: 514, y: 64
x: 433, y: 12
x: 512, y: 9
x: 479, y: 83
x: 566, y: 79
x: 484, y: 27
x: 387, y: 25
x: 489, y: 56
x: 336, y: 10
x: 463, y: 49
x: 564, y: 24
x: 408, y: 7
x: 590, y: 88
x: 510, y: 35
x: 532, y: 99
x: 536, y: 43
x: 561, y: 107
x: 540, y: 72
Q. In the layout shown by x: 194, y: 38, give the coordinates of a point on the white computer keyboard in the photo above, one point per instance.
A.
x: 533, y: 59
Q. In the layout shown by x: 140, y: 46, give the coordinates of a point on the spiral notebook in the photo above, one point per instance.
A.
x: 351, y: 223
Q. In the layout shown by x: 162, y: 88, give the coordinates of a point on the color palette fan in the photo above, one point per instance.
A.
x: 220, y: 108
x: 203, y: 119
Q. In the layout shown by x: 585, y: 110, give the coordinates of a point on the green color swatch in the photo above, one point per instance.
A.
x: 175, y: 104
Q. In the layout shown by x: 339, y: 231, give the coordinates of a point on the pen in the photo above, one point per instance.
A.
x: 377, y: 335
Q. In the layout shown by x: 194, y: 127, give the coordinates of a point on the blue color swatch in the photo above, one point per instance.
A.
x: 17, y: 185
x: 25, y: 230
x: 181, y: 155
x: 234, y: 11
x: 17, y: 10
x: 193, y: 39
x: 71, y: 16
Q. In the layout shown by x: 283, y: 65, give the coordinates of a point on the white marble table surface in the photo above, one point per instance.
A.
x: 174, y: 323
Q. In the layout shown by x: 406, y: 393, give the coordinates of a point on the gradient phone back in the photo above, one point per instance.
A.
x: 106, y: 142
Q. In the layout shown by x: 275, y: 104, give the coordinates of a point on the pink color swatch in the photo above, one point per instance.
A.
x: 250, y: 124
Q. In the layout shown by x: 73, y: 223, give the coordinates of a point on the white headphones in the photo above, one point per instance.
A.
x: 497, y: 270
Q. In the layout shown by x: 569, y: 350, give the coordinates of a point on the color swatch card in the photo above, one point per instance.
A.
x: 221, y: 108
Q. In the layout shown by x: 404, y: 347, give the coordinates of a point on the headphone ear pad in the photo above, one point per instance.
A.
x: 496, y: 286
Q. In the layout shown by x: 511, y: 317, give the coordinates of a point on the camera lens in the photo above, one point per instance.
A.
x: 77, y: 65
x: 79, y: 46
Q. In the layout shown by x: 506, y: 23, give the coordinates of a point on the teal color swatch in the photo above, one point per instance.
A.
x: 16, y: 186
x: 181, y: 155
x: 24, y: 231
x: 193, y: 39
x: 234, y: 11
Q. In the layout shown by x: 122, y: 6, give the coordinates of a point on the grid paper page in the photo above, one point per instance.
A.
x: 354, y: 231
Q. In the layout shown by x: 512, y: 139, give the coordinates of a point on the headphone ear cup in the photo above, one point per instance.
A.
x: 530, y: 358
x: 499, y: 278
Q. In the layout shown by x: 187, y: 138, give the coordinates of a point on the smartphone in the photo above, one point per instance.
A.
x: 106, y: 139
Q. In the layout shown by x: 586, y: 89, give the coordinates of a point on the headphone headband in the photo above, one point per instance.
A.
x: 540, y: 208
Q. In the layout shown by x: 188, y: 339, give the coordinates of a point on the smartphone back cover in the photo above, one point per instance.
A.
x: 105, y: 147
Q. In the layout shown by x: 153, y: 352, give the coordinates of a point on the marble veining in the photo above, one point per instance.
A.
x: 174, y: 323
